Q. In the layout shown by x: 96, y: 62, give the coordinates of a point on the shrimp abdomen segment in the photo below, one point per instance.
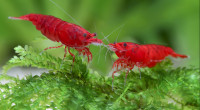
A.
x: 48, y: 25
x: 157, y: 53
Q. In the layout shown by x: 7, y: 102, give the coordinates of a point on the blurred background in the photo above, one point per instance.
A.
x: 173, y: 23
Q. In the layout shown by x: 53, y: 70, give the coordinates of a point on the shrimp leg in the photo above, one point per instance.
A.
x: 64, y: 56
x: 65, y: 52
x: 139, y: 71
x: 85, y: 51
x: 127, y: 74
x: 71, y: 54
x: 88, y: 53
x: 51, y: 48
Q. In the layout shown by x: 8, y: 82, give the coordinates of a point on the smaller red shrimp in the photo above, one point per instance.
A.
x: 132, y: 54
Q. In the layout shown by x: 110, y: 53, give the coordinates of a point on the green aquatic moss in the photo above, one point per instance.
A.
x: 78, y: 87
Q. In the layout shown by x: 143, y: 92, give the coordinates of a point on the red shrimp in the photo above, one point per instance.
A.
x: 57, y: 30
x: 132, y: 54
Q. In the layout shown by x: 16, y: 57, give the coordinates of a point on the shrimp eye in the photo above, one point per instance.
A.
x: 95, y: 34
x: 114, y: 43
x: 84, y: 35
x: 125, y: 44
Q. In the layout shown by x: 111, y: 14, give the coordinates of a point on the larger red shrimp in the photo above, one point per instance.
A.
x: 57, y: 30
x: 132, y: 54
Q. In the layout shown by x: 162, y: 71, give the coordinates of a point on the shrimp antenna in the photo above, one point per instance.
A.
x: 119, y: 33
x: 106, y: 40
x: 64, y: 12
x: 106, y: 54
x: 99, y: 54
x: 113, y: 31
x: 105, y: 37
